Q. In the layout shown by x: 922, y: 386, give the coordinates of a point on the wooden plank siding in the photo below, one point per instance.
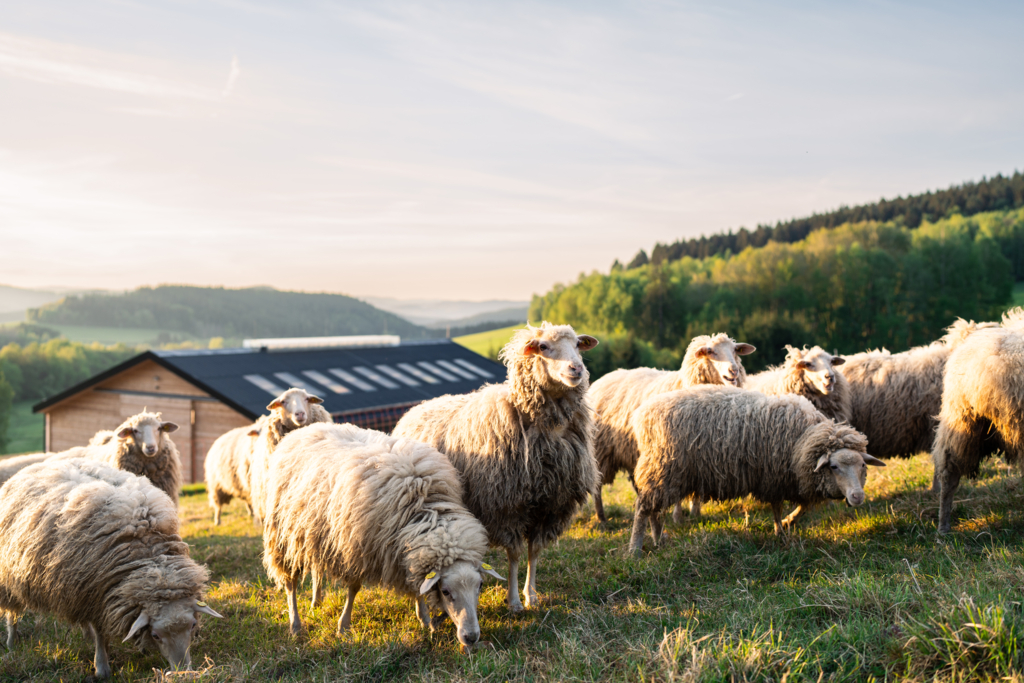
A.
x: 200, y: 418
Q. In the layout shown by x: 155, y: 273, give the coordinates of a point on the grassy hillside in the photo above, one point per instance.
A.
x: 26, y: 430
x: 856, y: 594
x: 487, y: 343
x: 204, y: 312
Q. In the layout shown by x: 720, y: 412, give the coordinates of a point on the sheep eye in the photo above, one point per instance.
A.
x: 835, y: 467
x: 446, y: 593
x: 195, y: 624
x: 543, y: 347
x: 156, y: 637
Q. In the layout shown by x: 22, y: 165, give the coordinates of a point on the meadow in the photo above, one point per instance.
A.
x: 487, y: 343
x: 856, y: 594
x: 25, y: 434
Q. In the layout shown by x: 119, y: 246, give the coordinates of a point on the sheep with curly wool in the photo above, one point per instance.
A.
x: 227, y: 467
x: 524, y: 448
x: 723, y: 443
x: 293, y: 409
x: 11, y: 466
x: 810, y: 373
x: 708, y: 360
x: 99, y: 547
x: 982, y: 409
x: 365, y: 508
x: 103, y: 436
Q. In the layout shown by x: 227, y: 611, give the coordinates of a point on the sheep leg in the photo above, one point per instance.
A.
x: 101, y: 661
x: 695, y: 502
x: 599, y: 506
x: 636, y: 540
x: 345, y: 620
x: 532, y: 600
x: 777, y: 511
x: 248, y: 508
x: 423, y: 612
x: 791, y: 519
x: 514, y: 603
x: 216, y: 515
x: 318, y: 590
x: 657, y: 528
x: 678, y: 513
x: 294, y: 622
x: 12, y: 629
x: 949, y: 483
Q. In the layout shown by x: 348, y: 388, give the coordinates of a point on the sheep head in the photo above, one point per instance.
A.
x: 170, y: 628
x: 456, y: 589
x: 840, y: 459
x: 817, y: 367
x: 557, y: 350
x: 292, y: 406
x: 146, y: 431
x: 716, y: 360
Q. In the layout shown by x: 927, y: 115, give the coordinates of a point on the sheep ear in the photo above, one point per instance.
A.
x: 745, y: 349
x: 168, y: 427
x: 206, y: 609
x: 489, y: 570
x: 872, y: 460
x: 140, y: 623
x: 428, y: 583
x: 838, y: 360
x: 822, y: 461
x: 531, y: 347
x: 585, y: 342
x: 314, y: 399
x: 703, y: 352
x: 124, y: 433
x: 254, y: 431
x: 802, y: 364
x: 274, y: 404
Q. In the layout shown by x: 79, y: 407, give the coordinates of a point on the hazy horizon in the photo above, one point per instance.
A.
x: 469, y: 151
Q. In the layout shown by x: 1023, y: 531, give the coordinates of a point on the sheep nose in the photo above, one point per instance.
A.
x: 471, y: 638
x: 300, y: 417
x: 149, y: 450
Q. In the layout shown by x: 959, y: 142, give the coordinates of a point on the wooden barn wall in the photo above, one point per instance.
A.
x: 200, y: 418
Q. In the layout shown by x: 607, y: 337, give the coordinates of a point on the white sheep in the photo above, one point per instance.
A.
x: 523, y: 448
x: 810, y: 373
x: 99, y: 547
x: 708, y: 360
x: 982, y: 409
x: 227, y: 468
x: 365, y: 508
x: 11, y: 466
x: 723, y: 443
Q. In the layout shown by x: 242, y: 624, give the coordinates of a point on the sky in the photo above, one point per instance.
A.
x: 470, y: 150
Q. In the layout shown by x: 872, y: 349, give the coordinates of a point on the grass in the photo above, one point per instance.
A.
x: 25, y: 433
x: 859, y: 594
x: 129, y: 336
x: 487, y: 343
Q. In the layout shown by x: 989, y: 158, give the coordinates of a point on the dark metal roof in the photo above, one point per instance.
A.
x: 370, y: 377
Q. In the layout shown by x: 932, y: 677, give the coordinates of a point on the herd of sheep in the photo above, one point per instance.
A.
x: 91, y: 535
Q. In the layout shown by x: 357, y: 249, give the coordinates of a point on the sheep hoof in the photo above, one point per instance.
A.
x: 296, y: 631
x: 515, y: 607
x: 532, y: 601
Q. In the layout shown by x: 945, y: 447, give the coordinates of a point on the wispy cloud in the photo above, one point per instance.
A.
x: 233, y: 75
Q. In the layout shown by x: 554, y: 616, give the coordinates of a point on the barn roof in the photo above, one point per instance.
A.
x: 350, y: 380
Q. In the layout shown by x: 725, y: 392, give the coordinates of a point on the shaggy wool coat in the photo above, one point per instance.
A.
x: 790, y: 379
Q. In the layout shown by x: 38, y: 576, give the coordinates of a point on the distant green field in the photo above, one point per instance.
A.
x: 112, y: 335
x: 26, y: 430
x: 487, y: 343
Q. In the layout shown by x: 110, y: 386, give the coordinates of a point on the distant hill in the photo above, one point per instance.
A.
x: 998, y: 193
x: 505, y: 316
x: 15, y: 300
x: 230, y: 313
x: 439, y: 312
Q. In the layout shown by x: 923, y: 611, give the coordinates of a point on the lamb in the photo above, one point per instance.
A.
x: 982, y: 409
x: 365, y: 508
x: 723, y: 443
x: 895, y: 397
x: 809, y: 373
x: 227, y: 467
x: 99, y: 547
x: 523, y: 448
x: 293, y: 409
x: 708, y: 360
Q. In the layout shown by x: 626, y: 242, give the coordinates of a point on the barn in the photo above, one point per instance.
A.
x: 368, y: 381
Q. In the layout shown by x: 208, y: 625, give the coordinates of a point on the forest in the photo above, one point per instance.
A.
x: 857, y: 286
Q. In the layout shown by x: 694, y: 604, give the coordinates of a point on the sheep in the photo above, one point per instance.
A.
x: 895, y: 397
x: 708, y: 360
x: 982, y: 409
x: 723, y: 443
x: 99, y: 547
x: 227, y: 468
x: 365, y: 508
x: 11, y: 466
x: 809, y: 373
x: 140, y: 445
x: 293, y: 409
x: 523, y: 448
x: 101, y: 437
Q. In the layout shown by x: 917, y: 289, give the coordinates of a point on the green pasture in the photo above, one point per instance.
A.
x: 866, y: 594
x: 129, y: 336
x: 25, y: 434
x: 487, y: 343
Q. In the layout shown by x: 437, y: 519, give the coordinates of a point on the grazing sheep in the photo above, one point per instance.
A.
x: 365, y: 508
x: 523, y: 447
x: 98, y: 547
x: 141, y: 445
x: 227, y: 467
x: 982, y: 409
x: 723, y: 443
x: 809, y: 373
x: 291, y: 410
x: 895, y: 397
x: 708, y: 360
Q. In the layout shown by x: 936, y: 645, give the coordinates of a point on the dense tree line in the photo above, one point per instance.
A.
x: 232, y: 313
x: 849, y: 288
x: 993, y: 194
x: 38, y: 370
